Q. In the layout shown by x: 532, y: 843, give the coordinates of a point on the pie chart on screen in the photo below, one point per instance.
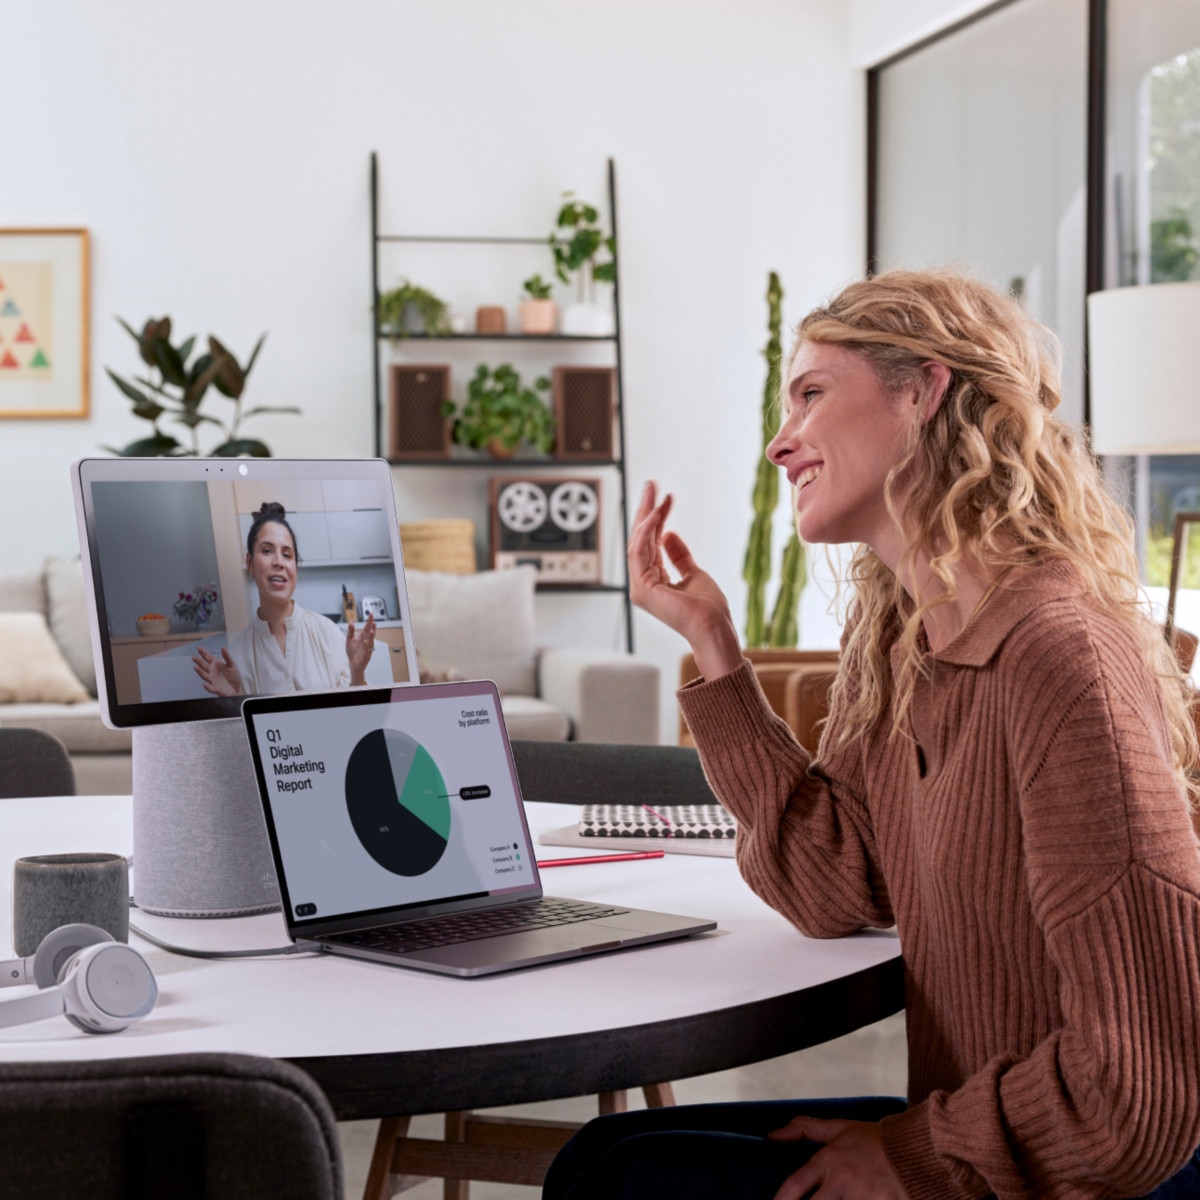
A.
x: 397, y: 802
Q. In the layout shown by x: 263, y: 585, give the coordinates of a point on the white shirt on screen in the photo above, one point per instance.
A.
x: 315, y: 658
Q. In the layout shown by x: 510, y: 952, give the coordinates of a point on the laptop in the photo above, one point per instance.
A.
x: 399, y: 835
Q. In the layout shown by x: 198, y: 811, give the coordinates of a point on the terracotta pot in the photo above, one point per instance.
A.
x: 538, y: 316
x: 489, y: 318
x: 497, y: 449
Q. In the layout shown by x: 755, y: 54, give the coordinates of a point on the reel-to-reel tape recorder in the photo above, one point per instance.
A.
x: 551, y: 524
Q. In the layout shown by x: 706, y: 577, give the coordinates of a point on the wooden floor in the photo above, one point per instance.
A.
x: 869, y: 1062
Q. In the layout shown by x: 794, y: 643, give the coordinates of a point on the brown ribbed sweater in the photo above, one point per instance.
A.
x: 1035, y: 853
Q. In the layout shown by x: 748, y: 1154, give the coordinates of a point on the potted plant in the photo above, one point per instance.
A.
x: 501, y: 412
x: 576, y: 242
x: 411, y: 309
x: 177, y: 389
x: 537, y: 311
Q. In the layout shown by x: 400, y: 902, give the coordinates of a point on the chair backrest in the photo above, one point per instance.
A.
x: 607, y: 773
x: 188, y: 1126
x: 34, y: 763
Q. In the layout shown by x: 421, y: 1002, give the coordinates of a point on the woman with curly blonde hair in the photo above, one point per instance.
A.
x: 1003, y: 777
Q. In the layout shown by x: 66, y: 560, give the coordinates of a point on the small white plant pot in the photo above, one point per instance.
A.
x: 588, y: 320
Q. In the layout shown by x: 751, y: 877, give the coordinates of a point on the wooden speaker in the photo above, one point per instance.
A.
x: 418, y: 429
x: 585, y: 411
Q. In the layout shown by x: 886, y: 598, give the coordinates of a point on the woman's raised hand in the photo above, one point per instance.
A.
x: 360, y: 646
x: 694, y: 606
x: 220, y: 676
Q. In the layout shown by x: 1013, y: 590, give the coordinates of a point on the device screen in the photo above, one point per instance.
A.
x: 379, y: 806
x: 179, y: 600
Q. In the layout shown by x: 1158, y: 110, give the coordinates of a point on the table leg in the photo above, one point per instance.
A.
x: 456, y: 1131
x: 614, y: 1102
x: 379, y: 1177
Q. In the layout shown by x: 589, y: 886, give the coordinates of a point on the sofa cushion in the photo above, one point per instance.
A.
x: 32, y: 667
x: 533, y: 720
x: 67, y: 613
x: 477, y: 626
x: 23, y: 591
x: 77, y: 726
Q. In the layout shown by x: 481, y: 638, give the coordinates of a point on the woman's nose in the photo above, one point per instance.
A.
x: 783, y: 443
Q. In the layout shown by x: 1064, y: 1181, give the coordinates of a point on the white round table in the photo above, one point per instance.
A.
x: 383, y: 1040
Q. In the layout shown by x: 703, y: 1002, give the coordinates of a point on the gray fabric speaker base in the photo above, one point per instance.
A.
x: 200, y: 844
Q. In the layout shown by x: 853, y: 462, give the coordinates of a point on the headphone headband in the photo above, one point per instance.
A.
x: 20, y: 1010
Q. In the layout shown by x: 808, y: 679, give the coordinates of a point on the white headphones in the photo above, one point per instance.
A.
x: 101, y: 985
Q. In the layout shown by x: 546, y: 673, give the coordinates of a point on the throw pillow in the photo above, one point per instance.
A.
x: 478, y: 626
x: 68, y: 616
x: 24, y: 592
x: 32, y: 667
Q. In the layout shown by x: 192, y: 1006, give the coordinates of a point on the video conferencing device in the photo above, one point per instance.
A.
x: 153, y: 532
x: 399, y: 834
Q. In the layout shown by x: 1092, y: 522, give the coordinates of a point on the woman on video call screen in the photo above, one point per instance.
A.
x: 284, y: 647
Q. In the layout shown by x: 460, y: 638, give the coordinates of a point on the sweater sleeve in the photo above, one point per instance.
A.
x: 805, y: 842
x: 1107, y: 1105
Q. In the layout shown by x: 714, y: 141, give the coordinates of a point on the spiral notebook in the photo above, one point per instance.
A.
x: 675, y: 828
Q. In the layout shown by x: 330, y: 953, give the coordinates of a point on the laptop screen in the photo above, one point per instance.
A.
x: 379, y: 801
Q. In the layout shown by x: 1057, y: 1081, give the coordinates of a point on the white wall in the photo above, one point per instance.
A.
x: 218, y: 154
x: 877, y: 29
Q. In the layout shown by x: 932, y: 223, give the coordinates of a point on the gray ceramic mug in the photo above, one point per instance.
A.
x: 50, y: 890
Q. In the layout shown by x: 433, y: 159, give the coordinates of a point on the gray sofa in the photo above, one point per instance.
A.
x: 554, y: 693
x: 101, y: 756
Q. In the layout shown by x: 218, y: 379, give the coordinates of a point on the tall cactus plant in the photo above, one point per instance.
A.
x: 783, y: 629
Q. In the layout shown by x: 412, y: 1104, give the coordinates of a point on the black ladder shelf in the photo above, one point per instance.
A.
x: 617, y: 463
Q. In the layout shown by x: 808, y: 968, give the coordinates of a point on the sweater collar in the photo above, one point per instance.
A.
x: 1012, y: 602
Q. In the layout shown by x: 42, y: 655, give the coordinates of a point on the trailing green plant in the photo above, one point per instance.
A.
x: 536, y: 288
x: 175, y: 388
x: 394, y: 311
x: 501, y: 409
x: 576, y: 241
x: 783, y: 629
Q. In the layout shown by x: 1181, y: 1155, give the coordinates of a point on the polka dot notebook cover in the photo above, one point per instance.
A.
x: 643, y: 821
x: 676, y: 828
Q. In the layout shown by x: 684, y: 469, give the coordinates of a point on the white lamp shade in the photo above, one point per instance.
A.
x: 1144, y: 369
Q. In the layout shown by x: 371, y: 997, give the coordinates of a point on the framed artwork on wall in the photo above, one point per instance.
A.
x: 43, y: 323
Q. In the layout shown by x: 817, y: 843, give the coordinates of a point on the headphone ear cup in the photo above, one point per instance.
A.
x: 107, y: 987
x: 57, y: 946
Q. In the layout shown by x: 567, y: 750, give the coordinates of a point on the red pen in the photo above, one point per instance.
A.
x: 574, y: 862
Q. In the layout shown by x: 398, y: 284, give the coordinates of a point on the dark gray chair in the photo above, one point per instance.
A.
x: 187, y: 1126
x: 34, y: 763
x: 596, y: 773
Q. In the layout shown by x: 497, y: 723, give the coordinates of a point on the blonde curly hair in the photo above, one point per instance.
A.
x: 995, y: 477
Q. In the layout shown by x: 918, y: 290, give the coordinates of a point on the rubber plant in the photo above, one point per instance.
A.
x: 783, y: 628
x: 175, y: 388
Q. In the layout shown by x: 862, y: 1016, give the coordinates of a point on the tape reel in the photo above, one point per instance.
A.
x: 572, y: 505
x: 550, y: 524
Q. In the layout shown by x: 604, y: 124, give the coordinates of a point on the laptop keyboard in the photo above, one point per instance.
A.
x: 469, y: 927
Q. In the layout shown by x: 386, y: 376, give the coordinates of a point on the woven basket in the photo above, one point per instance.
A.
x: 447, y: 545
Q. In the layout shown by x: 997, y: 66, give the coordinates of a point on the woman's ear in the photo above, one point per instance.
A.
x: 935, y: 383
